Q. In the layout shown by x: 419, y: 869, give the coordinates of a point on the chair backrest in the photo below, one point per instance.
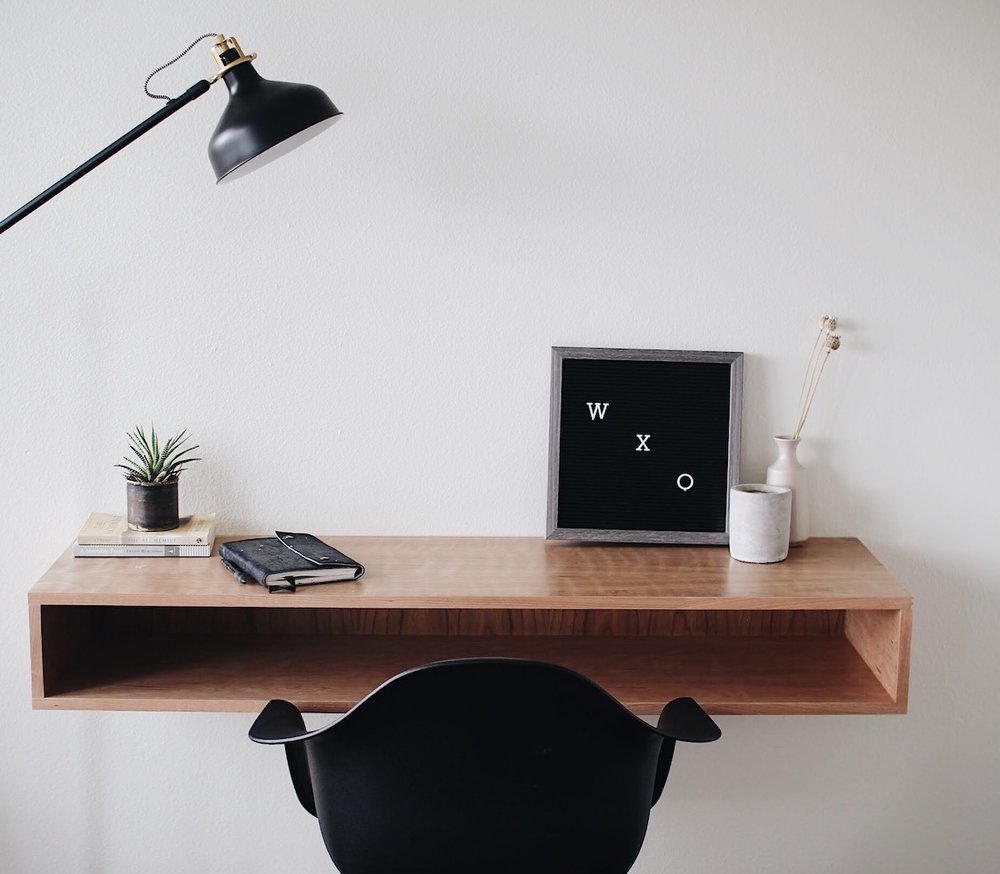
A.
x: 484, y: 766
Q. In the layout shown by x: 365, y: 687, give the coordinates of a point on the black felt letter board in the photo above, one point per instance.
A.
x: 644, y: 444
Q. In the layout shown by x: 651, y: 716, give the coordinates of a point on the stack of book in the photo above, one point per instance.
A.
x: 106, y: 534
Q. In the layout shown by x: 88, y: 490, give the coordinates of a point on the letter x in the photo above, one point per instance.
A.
x: 642, y: 447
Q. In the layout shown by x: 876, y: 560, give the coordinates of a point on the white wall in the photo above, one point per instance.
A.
x: 359, y: 338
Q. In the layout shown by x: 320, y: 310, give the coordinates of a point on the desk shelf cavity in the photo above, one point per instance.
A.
x: 326, y: 659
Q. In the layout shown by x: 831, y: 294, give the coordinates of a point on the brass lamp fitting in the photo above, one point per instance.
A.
x: 223, y: 50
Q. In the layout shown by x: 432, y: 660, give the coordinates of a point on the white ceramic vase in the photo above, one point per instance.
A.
x: 787, y: 470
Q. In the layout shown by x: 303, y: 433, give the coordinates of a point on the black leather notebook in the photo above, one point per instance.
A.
x: 286, y: 561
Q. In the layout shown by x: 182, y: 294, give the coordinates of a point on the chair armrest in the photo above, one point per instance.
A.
x: 683, y: 719
x: 280, y: 722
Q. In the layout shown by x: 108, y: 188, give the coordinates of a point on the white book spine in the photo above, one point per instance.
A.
x: 144, y: 550
x: 146, y: 539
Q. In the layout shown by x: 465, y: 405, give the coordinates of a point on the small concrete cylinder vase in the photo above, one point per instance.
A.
x: 787, y: 470
x: 759, y: 519
x: 152, y: 507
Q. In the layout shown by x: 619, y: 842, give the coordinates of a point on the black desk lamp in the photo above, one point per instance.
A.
x: 263, y: 120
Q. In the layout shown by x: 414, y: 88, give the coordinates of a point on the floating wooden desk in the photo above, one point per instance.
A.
x: 827, y: 631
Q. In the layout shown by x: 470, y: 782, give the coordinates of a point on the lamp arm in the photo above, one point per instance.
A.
x: 168, y: 109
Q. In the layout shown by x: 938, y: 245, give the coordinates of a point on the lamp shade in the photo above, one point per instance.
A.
x: 264, y: 120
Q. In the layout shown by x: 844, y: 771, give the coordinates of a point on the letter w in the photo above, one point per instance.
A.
x: 597, y: 410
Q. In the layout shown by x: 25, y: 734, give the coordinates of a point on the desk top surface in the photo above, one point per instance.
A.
x: 502, y: 573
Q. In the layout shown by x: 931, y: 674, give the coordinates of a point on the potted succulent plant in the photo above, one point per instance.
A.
x: 152, y: 478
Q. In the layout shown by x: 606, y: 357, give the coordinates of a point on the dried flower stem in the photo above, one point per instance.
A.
x: 809, y: 400
x: 826, y: 342
x: 810, y: 367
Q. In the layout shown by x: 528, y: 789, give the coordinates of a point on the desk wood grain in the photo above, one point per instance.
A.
x: 827, y: 631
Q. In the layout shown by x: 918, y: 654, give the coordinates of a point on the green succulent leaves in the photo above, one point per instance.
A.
x: 154, y: 463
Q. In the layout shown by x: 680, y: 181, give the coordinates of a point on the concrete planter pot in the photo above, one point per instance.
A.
x: 759, y: 520
x: 152, y: 507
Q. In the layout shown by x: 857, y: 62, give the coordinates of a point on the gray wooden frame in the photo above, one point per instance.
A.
x: 559, y: 354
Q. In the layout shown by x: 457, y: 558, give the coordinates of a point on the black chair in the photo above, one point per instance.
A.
x: 483, y: 766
